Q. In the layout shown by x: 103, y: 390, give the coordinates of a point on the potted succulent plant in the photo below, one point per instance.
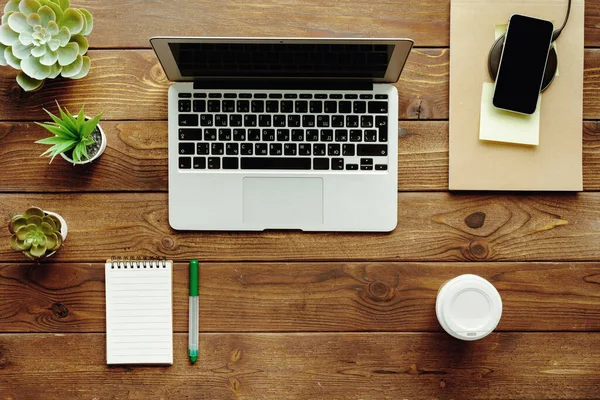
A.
x: 78, y: 139
x: 37, y: 233
x: 44, y: 39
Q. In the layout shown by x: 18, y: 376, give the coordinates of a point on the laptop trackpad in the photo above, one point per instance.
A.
x: 291, y: 203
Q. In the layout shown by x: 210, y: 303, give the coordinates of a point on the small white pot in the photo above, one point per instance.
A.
x: 102, y: 148
x: 63, y: 224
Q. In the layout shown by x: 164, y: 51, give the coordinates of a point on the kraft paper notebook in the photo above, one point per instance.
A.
x: 139, y: 312
x: 556, y: 162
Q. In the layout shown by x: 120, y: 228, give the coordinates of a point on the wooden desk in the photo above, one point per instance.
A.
x: 287, y: 315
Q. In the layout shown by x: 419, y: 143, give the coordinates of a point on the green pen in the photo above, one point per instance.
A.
x: 193, y: 317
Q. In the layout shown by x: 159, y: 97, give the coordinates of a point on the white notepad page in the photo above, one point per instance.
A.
x: 139, y: 312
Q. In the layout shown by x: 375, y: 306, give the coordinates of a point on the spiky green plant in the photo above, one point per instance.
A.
x: 70, y: 133
x: 44, y: 39
x: 35, y: 233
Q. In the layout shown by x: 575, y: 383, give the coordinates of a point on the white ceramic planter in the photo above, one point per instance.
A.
x: 102, y: 148
x: 63, y: 224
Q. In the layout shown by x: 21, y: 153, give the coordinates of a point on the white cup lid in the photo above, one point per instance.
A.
x: 468, y: 307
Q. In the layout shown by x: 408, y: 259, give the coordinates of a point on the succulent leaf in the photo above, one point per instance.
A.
x: 16, y: 222
x: 33, y: 221
x: 55, y: 70
x: 57, y: 222
x: 55, y: 7
x: 63, y: 36
x: 38, y: 250
x: 34, y: 68
x: 28, y: 83
x: 11, y: 59
x: 2, y: 59
x: 34, y: 211
x: 68, y: 53
x: 29, y: 6
x: 90, y: 125
x: 73, y: 20
x: 21, y: 233
x: 8, y: 37
x: 21, y: 51
x: 18, y: 22
x: 11, y: 6
x: 89, y: 22
x: 81, y: 118
x: 38, y: 52
x: 84, y: 70
x: 18, y: 245
x: 46, y: 228
x: 51, y: 240
x: 26, y: 38
x: 49, y: 58
x: 81, y: 41
x: 47, y: 220
x: 47, y: 15
x: 33, y: 20
x: 53, y: 28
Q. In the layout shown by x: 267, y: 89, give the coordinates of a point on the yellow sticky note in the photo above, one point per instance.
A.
x: 505, y: 126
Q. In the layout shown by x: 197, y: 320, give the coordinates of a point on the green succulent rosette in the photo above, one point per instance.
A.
x: 44, y: 39
x: 35, y: 233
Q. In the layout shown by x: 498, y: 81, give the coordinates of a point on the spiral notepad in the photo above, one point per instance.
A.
x: 139, y: 312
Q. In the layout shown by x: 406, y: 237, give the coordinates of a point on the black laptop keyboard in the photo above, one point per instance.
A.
x: 283, y: 131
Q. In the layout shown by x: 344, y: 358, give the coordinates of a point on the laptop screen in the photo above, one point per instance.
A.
x: 275, y: 60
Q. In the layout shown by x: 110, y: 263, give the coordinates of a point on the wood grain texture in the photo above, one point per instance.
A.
x: 131, y: 85
x: 431, y: 227
x: 426, y: 22
x: 311, y: 366
x: 136, y: 159
x: 305, y: 297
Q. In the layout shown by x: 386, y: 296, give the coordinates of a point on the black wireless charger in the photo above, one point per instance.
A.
x: 551, y: 64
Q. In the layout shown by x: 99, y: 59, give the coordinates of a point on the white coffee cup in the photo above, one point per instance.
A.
x: 468, y: 307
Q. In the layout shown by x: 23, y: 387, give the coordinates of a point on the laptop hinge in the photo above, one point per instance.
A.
x: 282, y: 84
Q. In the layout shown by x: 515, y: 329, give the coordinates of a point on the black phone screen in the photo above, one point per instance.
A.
x: 522, y: 65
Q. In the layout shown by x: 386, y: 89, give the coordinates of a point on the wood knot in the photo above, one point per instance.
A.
x: 442, y: 384
x: 475, y: 220
x: 234, y: 385
x: 236, y: 355
x: 167, y: 242
x: 380, y: 291
x: 16, y: 92
x: 418, y: 109
x: 59, y: 310
x: 479, y: 249
x: 3, y: 360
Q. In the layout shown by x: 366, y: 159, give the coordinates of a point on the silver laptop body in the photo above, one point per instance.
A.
x: 282, y: 133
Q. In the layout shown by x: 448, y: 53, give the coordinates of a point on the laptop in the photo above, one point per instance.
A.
x: 282, y: 133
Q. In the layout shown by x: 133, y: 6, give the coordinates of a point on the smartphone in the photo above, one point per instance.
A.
x: 522, y: 64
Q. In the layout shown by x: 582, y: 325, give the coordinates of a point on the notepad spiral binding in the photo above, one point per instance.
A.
x: 137, y: 262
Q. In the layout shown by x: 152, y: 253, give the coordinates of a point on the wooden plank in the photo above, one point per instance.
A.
x: 131, y: 85
x: 301, y: 297
x: 311, y: 366
x: 136, y: 159
x: 427, y: 22
x: 432, y: 227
